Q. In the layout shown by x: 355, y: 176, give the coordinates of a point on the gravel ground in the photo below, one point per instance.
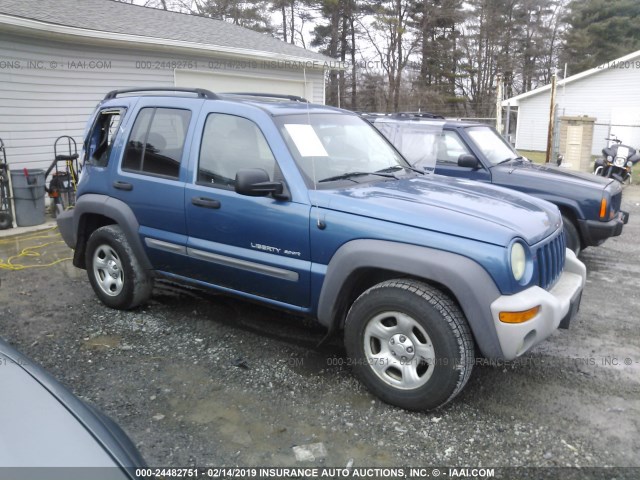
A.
x: 199, y: 379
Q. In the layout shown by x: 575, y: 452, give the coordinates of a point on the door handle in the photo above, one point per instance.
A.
x: 205, y: 202
x: 122, y: 185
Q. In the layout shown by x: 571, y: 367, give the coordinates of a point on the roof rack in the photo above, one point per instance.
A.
x: 293, y: 98
x: 200, y: 92
x: 417, y: 114
x: 399, y: 115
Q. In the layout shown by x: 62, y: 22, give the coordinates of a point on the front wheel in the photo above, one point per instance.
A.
x: 114, y: 272
x: 571, y: 236
x: 409, y: 344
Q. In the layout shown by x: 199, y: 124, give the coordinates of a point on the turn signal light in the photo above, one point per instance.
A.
x: 519, y: 317
x: 603, y: 208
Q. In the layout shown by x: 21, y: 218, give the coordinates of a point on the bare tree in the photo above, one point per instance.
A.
x: 392, y: 37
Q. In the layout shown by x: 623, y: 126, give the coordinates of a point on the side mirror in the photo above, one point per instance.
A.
x: 254, y: 182
x: 468, y: 161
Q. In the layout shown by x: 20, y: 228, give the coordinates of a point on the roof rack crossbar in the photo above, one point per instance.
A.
x: 200, y: 92
x: 294, y: 98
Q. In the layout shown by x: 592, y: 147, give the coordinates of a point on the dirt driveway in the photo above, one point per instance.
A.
x: 197, y: 379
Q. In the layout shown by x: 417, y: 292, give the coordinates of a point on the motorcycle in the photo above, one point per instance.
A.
x: 617, y: 160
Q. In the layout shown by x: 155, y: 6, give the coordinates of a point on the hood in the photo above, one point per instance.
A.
x: 450, y: 205
x: 45, y: 425
x: 535, y: 176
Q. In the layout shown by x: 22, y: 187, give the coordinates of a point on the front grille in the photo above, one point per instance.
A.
x: 551, y: 257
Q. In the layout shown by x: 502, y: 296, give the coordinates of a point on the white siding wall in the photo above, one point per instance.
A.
x: 598, y: 95
x: 52, y: 97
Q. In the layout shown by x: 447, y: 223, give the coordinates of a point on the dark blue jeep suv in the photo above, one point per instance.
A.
x: 590, y: 204
x: 309, y: 209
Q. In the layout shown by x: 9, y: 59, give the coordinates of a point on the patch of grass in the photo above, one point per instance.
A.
x: 534, y: 156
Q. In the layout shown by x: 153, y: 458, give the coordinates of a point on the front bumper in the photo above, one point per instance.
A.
x: 594, y: 232
x: 557, y: 307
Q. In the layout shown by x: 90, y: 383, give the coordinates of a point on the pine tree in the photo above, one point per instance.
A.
x: 250, y: 14
x: 600, y: 31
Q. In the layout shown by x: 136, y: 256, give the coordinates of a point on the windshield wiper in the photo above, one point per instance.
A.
x: 347, y: 176
x: 404, y: 167
x: 519, y: 157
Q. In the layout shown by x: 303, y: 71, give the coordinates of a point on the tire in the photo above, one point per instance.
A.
x: 409, y: 319
x: 114, y: 271
x: 5, y: 220
x: 571, y: 236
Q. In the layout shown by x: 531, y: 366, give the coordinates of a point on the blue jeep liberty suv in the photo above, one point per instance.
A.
x: 310, y: 209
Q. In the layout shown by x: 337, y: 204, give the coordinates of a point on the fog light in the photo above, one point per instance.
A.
x: 519, y: 317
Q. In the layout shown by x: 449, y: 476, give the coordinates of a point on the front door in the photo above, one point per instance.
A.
x: 254, y: 245
x: 449, y: 149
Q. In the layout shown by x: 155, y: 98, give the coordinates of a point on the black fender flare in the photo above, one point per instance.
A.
x: 470, y: 284
x: 106, y: 206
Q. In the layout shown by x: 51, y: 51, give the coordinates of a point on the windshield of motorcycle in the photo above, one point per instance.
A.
x: 417, y: 140
x: 494, y: 148
x: 619, y: 151
x: 328, y: 145
x: 622, y: 151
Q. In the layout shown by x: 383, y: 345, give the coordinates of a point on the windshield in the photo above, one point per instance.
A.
x: 333, y: 146
x: 418, y: 141
x: 492, y: 145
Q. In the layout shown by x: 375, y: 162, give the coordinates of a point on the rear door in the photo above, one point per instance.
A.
x: 150, y: 178
x: 255, y: 245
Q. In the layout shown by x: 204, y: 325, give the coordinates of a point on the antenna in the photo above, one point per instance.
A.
x: 313, y: 161
x: 319, y: 221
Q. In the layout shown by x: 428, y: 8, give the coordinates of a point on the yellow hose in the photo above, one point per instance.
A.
x: 30, y: 252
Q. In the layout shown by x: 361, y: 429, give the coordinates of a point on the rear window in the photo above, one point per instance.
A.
x: 100, y: 140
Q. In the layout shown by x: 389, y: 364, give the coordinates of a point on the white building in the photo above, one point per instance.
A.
x: 58, y: 58
x: 609, y: 93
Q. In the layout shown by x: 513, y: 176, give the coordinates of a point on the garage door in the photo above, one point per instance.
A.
x: 232, y: 82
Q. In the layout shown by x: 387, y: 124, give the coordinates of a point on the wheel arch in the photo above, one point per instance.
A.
x: 570, y: 214
x: 360, y: 264
x: 93, y: 211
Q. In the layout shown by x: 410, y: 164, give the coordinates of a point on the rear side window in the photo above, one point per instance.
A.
x: 157, y: 141
x: 102, y: 136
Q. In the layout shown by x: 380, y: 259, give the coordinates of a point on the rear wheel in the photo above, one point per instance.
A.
x: 409, y: 344
x: 571, y: 236
x: 114, y: 272
x: 5, y: 220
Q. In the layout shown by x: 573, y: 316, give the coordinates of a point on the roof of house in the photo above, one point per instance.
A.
x: 514, y: 101
x: 112, y: 20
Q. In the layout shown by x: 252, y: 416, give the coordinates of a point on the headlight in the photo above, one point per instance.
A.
x: 629, y: 164
x: 619, y: 161
x: 609, y: 158
x: 518, y: 261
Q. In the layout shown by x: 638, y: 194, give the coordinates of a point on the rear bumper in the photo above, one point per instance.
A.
x: 595, y: 232
x: 65, y: 225
x: 557, y: 308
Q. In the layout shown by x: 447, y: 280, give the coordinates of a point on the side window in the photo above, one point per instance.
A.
x: 156, y: 142
x: 450, y: 146
x: 231, y: 143
x: 102, y: 135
